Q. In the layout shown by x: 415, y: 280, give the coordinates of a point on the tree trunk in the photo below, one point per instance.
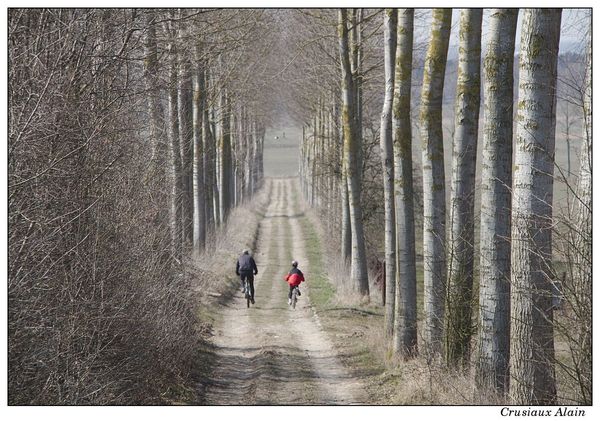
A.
x: 199, y: 102
x: 583, y: 248
x: 224, y: 157
x: 496, y: 179
x: 346, y: 239
x: 390, y: 23
x: 346, y: 243
x: 532, y: 343
x: 434, y: 186
x: 405, y: 323
x: 155, y: 110
x: 185, y: 142
x: 174, y: 155
x: 208, y: 157
x: 459, y: 308
x: 352, y: 148
x: 216, y: 187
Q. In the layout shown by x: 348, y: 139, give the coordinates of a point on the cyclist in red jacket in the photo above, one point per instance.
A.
x: 294, y: 278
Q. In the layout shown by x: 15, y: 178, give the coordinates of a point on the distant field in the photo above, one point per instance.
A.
x: 281, y: 155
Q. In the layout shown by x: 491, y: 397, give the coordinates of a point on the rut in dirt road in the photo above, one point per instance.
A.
x: 269, y: 353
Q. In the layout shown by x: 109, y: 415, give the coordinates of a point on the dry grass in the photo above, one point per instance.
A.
x: 356, y: 327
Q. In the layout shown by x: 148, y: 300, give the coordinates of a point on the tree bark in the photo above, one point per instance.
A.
x: 496, y: 179
x: 155, y: 110
x: 390, y: 23
x: 224, y: 157
x: 352, y: 147
x: 199, y: 102
x: 434, y: 187
x: 175, y: 216
x: 405, y: 323
x: 583, y: 247
x: 459, y: 308
x: 208, y: 157
x: 532, y: 379
x: 185, y: 141
x: 346, y: 243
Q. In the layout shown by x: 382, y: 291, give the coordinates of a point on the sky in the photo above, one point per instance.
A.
x: 574, y: 25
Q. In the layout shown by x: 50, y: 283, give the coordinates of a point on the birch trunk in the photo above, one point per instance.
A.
x: 496, y: 179
x: 405, y: 323
x: 434, y: 187
x: 199, y: 103
x: 390, y: 23
x: 532, y: 344
x: 459, y: 307
x: 352, y: 148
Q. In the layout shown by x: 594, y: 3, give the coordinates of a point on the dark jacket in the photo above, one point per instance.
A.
x: 246, y: 265
x: 294, y: 277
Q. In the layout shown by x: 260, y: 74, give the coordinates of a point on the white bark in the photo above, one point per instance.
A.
x: 352, y: 148
x: 405, y: 323
x: 434, y: 185
x: 496, y: 179
x: 532, y: 378
x: 390, y: 22
x: 459, y: 327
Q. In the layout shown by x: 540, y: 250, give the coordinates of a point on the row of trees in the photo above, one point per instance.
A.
x: 132, y: 134
x: 517, y: 263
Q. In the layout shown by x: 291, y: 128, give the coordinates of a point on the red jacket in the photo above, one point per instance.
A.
x: 295, y: 277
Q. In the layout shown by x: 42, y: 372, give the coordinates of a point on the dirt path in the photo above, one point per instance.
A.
x: 270, y: 354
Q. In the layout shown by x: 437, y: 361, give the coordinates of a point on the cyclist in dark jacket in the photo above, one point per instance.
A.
x: 246, y: 269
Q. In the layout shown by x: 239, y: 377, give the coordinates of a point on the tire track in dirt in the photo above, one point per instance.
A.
x: 338, y: 387
x: 270, y: 354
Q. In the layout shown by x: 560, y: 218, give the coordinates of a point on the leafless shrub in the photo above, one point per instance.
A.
x: 98, y: 313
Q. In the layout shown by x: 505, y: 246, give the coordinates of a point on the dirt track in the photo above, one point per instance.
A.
x: 270, y: 354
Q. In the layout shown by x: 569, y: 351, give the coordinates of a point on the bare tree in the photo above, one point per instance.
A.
x: 352, y: 161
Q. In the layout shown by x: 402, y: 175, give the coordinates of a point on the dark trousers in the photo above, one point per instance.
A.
x: 292, y: 289
x: 250, y: 278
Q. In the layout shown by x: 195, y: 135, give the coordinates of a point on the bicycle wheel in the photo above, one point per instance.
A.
x: 247, y: 293
x: 294, y: 298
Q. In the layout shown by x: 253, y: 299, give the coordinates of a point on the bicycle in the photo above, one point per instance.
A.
x: 295, y: 293
x: 247, y: 293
